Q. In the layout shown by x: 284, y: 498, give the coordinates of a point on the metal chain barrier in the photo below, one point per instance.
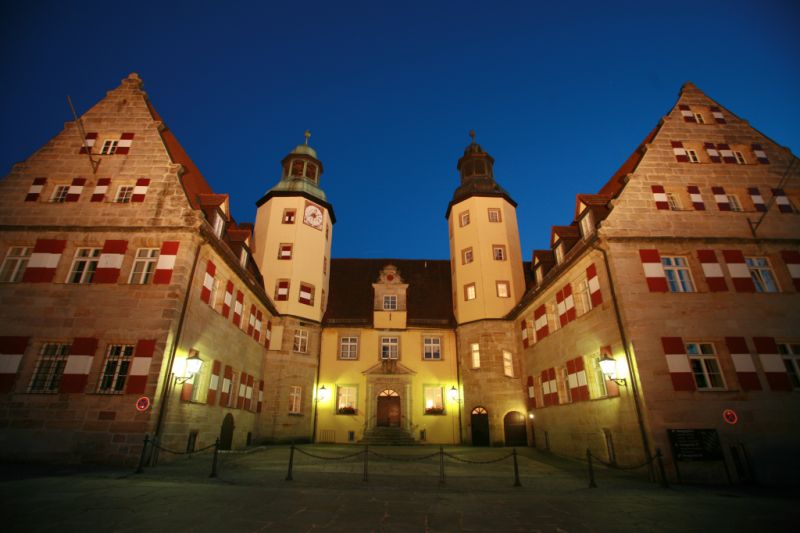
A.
x: 657, y: 458
x: 338, y: 458
x: 154, y: 445
x: 470, y: 461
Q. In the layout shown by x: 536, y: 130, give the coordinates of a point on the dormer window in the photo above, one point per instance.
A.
x: 390, y: 302
x: 311, y: 171
x: 587, y: 225
x: 539, y: 276
x: 243, y: 258
x: 559, y: 253
x: 297, y: 168
x: 219, y: 225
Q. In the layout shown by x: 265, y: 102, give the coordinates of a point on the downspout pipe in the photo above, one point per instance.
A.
x: 629, y: 359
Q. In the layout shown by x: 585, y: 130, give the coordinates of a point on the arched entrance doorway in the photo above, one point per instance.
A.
x: 388, y: 409
x: 480, y: 427
x: 226, y: 433
x: 514, y: 426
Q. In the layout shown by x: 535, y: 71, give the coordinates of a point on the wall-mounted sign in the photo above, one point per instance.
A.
x: 695, y: 444
x: 730, y: 416
x: 143, y: 404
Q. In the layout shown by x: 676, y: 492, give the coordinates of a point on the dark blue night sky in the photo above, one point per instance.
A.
x: 559, y: 94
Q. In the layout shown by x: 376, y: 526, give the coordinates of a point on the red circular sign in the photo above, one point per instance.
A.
x: 143, y: 404
x: 730, y: 416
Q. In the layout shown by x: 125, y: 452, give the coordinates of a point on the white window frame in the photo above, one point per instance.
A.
x: 705, y: 355
x: 84, y: 265
x: 390, y: 348
x: 124, y: 194
x: 673, y: 201
x: 348, y: 347
x: 499, y: 252
x: 494, y: 213
x: 116, y: 368
x: 300, y: 341
x: 346, y: 397
x: 790, y: 353
x: 508, y: 364
x: 49, y: 368
x: 475, y: 354
x: 699, y: 118
x: 470, y: 292
x: 733, y: 201
x: 14, y: 264
x: 243, y: 258
x: 692, y: 155
x: 463, y: 218
x: 432, y: 348
x: 467, y: 256
x: 740, y: 159
x: 144, y: 266
x: 295, y: 399
x: 109, y: 146
x: 434, y: 399
x: 677, y: 273
x: 390, y: 302
x: 503, y: 289
x: 598, y: 379
x: 219, y: 225
x: 559, y: 250
x: 587, y: 224
x: 59, y: 195
x: 582, y: 296
x: 757, y: 274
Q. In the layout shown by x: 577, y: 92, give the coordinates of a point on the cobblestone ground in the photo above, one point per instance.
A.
x: 403, y: 493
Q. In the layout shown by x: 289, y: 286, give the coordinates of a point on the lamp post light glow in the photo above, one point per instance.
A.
x: 453, y: 393
x: 609, y: 368
x: 186, y: 368
x: 324, y: 394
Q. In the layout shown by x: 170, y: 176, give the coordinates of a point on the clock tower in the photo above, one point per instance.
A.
x: 293, y: 234
x: 487, y: 274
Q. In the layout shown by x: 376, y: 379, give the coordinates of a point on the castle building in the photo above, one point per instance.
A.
x: 663, y: 316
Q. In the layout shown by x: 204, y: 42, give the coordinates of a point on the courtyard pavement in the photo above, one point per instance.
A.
x: 404, y: 493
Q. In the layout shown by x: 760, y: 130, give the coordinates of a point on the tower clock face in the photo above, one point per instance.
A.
x: 312, y: 216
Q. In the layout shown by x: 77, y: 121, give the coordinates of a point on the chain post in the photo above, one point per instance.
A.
x: 291, y: 461
x: 214, y: 460
x: 366, y: 461
x: 441, y: 465
x: 516, y: 468
x: 140, y: 468
x: 592, y: 484
x: 661, y: 471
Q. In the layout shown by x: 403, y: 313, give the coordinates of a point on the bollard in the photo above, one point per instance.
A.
x: 661, y: 471
x: 291, y: 460
x: 516, y: 468
x: 366, y: 456
x: 140, y: 468
x: 592, y: 484
x: 441, y: 465
x: 214, y: 460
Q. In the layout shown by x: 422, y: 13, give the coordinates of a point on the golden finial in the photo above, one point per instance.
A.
x: 308, y: 136
x: 472, y: 134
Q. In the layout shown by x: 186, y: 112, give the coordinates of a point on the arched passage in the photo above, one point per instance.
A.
x: 515, y: 430
x: 226, y: 433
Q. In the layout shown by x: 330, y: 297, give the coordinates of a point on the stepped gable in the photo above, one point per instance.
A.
x: 351, y: 297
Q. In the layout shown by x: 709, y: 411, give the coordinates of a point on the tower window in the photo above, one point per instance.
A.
x: 288, y: 216
x: 60, y: 194
x: 508, y: 364
x: 494, y: 215
x: 674, y: 204
x: 466, y: 256
x: 475, y: 351
x: 499, y: 252
x: 502, y: 289
x: 740, y: 158
x: 692, y: 155
x: 306, y: 294
x: 124, y: 194
x: 311, y: 171
x: 285, y: 251
x: 699, y: 118
x: 282, y: 290
x: 463, y: 219
x: 469, y: 291
x: 733, y: 201
x: 109, y: 147
x: 390, y: 302
x: 297, y: 168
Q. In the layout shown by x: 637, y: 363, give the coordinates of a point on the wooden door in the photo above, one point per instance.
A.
x: 515, y: 430
x: 480, y: 428
x: 226, y: 433
x: 388, y: 411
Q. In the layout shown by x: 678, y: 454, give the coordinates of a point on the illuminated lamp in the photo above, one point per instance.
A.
x: 609, y: 368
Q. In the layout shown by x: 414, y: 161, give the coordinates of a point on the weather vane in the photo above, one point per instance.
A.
x: 307, y: 135
x: 472, y: 134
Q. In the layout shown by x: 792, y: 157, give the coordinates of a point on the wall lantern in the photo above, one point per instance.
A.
x: 530, y: 415
x: 453, y: 393
x: 324, y: 394
x: 609, y: 368
x: 186, y: 369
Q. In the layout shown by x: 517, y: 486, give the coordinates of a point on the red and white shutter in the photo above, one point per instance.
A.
x: 124, y: 144
x: 11, y: 351
x: 228, y: 300
x: 653, y: 270
x: 110, y: 263
x: 531, y: 393
x: 761, y: 156
x: 540, y: 322
x: 551, y: 393
x: 660, y: 197
x: 727, y: 153
x: 227, y: 381
x: 285, y: 251
x: 36, y: 189
x: 75, y: 189
x: 524, y: 332
x: 257, y: 329
x: 561, y: 309
x: 305, y: 294
x: 208, y: 282
x: 721, y: 198
x: 248, y: 398
x: 213, y: 383
x: 680, y: 152
x: 713, y: 153
x: 140, y: 366
x: 186, y: 391
x: 44, y: 260
x: 140, y: 189
x: 576, y: 377
x: 268, y: 334
x: 743, y: 363
x: 260, y: 402
x: 712, y: 270
x: 717, y: 114
x: 757, y: 199
x: 792, y: 260
x: 251, y: 321
x: 569, y: 302
x: 772, y: 363
x: 238, y: 307
x: 79, y: 363
x: 241, y: 392
x: 688, y: 116
x: 740, y: 274
x: 678, y: 363
x: 283, y: 291
x: 593, y: 283
x: 88, y: 142
x: 101, y: 189
x: 166, y: 262
x: 782, y: 201
x: 697, y: 200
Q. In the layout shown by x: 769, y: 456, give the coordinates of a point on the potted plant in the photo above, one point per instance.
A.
x: 434, y: 411
x: 347, y: 410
